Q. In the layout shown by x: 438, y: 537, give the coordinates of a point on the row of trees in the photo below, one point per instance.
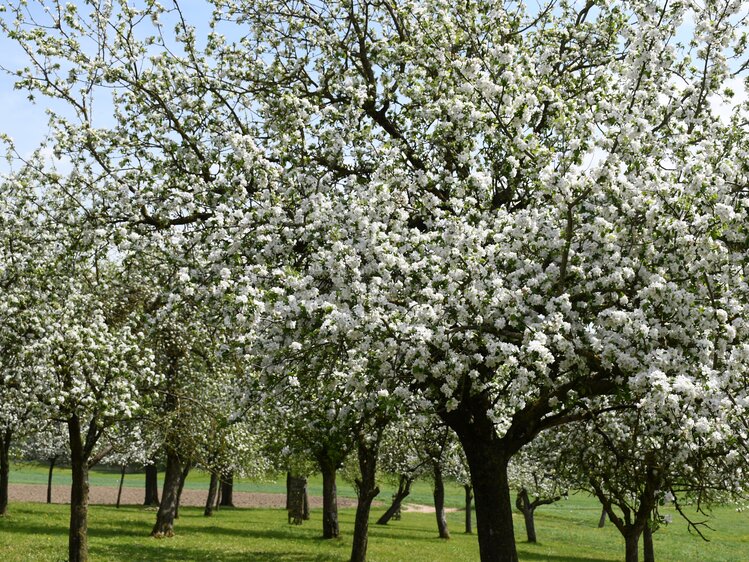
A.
x: 316, y: 221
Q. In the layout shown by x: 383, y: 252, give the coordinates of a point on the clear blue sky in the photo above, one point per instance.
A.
x: 27, y: 122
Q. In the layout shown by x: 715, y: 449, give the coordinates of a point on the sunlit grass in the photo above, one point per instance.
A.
x: 421, y: 491
x: 567, y: 532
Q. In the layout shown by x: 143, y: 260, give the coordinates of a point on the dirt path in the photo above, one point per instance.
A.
x: 107, y: 495
x: 134, y: 496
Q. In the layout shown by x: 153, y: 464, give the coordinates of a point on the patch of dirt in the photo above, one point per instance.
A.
x: 420, y: 508
x: 134, y: 496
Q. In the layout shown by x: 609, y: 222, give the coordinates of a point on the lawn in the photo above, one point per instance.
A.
x: 567, y: 532
x: 421, y: 491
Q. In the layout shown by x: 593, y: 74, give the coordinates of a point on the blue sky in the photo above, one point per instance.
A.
x: 26, y: 122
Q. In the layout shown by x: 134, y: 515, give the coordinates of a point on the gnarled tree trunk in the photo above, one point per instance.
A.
x: 487, y: 458
x: 523, y: 503
x: 404, y: 489
x: 212, y: 491
x: 366, y: 491
x: 182, y: 478
x: 164, y: 526
x: 439, y: 502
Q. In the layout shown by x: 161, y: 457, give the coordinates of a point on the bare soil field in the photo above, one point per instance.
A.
x: 107, y: 495
x: 134, y: 496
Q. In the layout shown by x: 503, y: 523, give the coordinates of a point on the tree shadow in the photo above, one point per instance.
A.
x: 146, y: 551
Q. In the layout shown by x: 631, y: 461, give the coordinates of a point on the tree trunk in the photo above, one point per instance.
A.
x: 647, y: 540
x: 523, y: 503
x: 631, y: 546
x: 330, y: 528
x: 227, y: 489
x: 469, y: 498
x: 166, y: 515
x: 182, y: 478
x: 439, y: 502
x: 5, y: 438
x: 217, y: 503
x: 305, y: 502
x: 212, y: 491
x: 78, y: 530
x: 602, y: 520
x: 404, y: 489
x: 288, y: 490
x: 122, y: 481
x: 366, y: 491
x: 487, y: 461
x: 152, y: 485
x: 52, y: 461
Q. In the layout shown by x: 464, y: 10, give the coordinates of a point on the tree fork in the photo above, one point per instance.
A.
x: 487, y: 458
x: 367, y: 491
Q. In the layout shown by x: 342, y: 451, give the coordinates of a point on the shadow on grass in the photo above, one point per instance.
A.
x: 525, y: 555
x: 152, y: 551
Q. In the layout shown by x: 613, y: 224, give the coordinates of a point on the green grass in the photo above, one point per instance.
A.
x: 567, y: 533
x: 421, y: 491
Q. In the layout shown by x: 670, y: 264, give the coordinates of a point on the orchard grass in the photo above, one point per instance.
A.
x: 567, y: 533
x: 421, y: 490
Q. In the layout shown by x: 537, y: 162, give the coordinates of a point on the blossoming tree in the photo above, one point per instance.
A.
x: 503, y: 211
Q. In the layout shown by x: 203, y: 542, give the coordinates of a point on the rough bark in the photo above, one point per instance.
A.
x: 404, y: 489
x: 119, y: 489
x: 469, y: 499
x: 366, y: 491
x: 631, y: 545
x: 330, y: 528
x: 52, y: 461
x: 212, y: 491
x: 152, y: 485
x: 439, y: 502
x: 164, y: 526
x: 227, y: 489
x: 525, y: 506
x: 648, y: 552
x: 487, y: 458
x: 78, y: 529
x: 182, y: 478
x: 5, y: 438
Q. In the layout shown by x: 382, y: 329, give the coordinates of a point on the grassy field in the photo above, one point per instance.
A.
x: 421, y: 492
x: 567, y: 533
